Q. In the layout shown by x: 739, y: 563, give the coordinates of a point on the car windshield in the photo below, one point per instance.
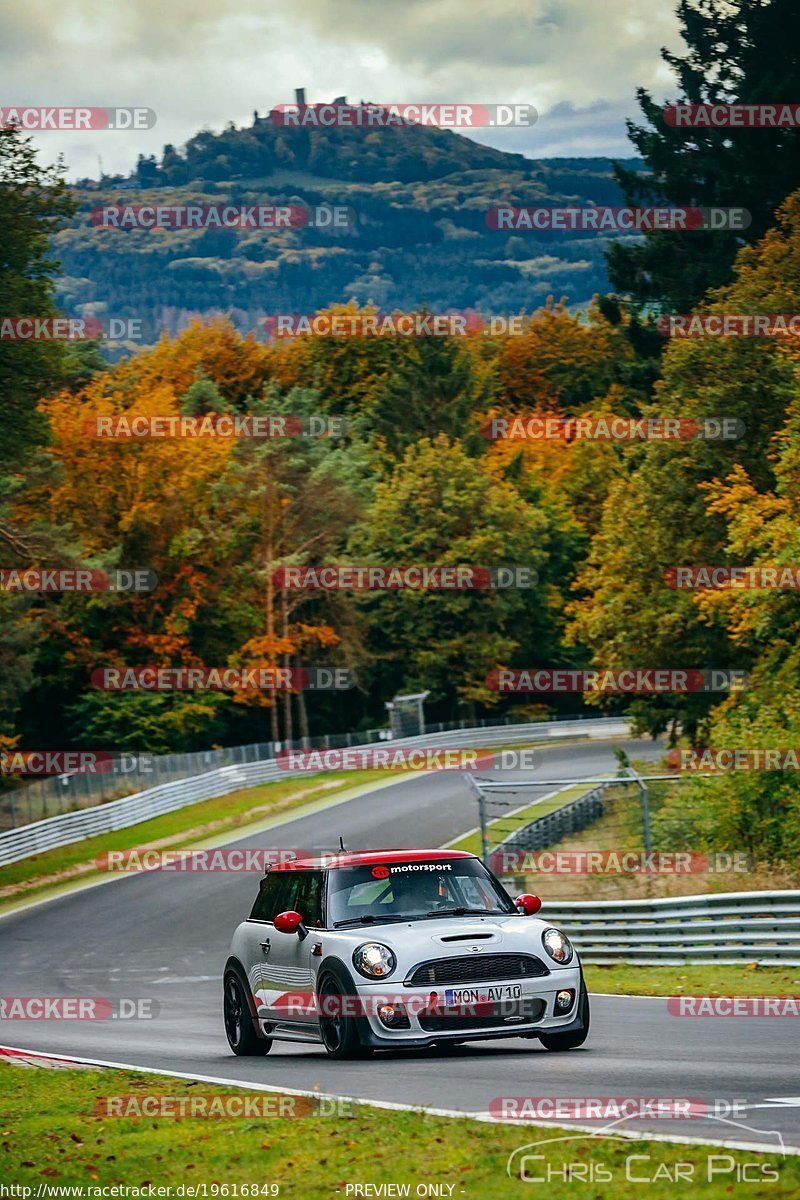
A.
x: 413, y: 890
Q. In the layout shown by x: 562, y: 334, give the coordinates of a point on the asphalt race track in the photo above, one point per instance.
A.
x: 165, y: 935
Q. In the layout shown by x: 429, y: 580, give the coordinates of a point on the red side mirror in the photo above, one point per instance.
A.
x: 526, y: 903
x: 290, y: 922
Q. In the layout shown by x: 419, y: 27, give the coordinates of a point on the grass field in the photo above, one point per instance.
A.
x: 500, y: 827
x: 713, y: 979
x: 190, y: 826
x: 51, y: 1135
x: 54, y: 870
x: 54, y: 1127
x: 620, y: 831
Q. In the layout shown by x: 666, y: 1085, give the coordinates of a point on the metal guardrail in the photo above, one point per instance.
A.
x: 65, y: 828
x: 735, y: 927
x: 545, y: 831
x: 57, y: 794
x: 42, y: 798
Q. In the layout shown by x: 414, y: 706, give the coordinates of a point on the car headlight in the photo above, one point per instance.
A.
x: 374, y: 960
x: 557, y: 945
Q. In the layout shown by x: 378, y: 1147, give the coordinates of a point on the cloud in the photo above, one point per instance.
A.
x: 201, y: 64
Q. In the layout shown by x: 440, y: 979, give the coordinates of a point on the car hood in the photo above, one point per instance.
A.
x: 418, y: 941
x: 437, y: 925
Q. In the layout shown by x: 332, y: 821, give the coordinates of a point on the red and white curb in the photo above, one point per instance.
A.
x: 51, y: 1062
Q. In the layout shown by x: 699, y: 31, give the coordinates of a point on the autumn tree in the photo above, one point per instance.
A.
x: 280, y: 502
x: 757, y: 810
x: 657, y: 517
x: 121, y: 503
x: 562, y: 361
x: 34, y: 201
x: 442, y: 507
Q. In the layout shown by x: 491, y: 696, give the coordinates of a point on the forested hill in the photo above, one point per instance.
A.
x: 394, y: 154
x: 420, y: 236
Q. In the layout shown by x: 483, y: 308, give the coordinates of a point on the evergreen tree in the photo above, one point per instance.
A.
x: 434, y: 388
x: 747, y: 53
x: 33, y: 200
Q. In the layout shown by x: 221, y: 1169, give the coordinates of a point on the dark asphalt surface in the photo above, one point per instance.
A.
x: 166, y: 935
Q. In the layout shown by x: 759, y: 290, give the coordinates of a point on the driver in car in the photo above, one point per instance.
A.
x: 418, y: 894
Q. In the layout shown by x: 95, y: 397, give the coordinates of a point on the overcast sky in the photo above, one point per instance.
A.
x: 200, y: 64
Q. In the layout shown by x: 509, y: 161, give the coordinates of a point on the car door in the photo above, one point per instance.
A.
x: 286, y: 969
x: 260, y: 934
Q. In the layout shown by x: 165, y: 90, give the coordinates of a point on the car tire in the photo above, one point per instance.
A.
x: 240, y: 1027
x: 570, y: 1041
x: 339, y: 1034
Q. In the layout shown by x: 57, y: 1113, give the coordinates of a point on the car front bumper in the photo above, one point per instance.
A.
x: 534, y: 1013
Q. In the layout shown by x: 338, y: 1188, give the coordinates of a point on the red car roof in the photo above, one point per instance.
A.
x: 358, y: 858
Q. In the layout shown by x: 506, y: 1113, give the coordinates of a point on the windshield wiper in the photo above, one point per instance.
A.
x: 463, y: 912
x: 385, y: 918
x: 369, y: 919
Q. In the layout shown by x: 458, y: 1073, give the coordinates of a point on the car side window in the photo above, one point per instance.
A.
x: 265, y: 908
x: 286, y: 899
x: 282, y: 891
x: 475, y: 893
x: 308, y: 900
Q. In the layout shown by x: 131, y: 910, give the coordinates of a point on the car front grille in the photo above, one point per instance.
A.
x: 486, y: 1016
x: 476, y: 968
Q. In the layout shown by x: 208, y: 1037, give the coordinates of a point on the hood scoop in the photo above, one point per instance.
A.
x: 468, y: 937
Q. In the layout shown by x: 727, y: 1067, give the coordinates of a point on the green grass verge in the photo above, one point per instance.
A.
x: 174, y: 830
x: 49, y: 1135
x: 620, y: 831
x: 714, y: 979
x: 501, y: 827
x: 59, y: 869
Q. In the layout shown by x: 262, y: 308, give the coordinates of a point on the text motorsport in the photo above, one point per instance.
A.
x: 221, y: 679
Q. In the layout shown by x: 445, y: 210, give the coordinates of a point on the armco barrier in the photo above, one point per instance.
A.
x: 70, y: 827
x: 546, y: 831
x: 54, y: 795
x: 735, y: 927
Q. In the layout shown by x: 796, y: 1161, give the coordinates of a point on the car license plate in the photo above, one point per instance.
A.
x: 454, y: 997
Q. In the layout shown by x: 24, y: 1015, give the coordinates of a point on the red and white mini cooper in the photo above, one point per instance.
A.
x: 378, y: 949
